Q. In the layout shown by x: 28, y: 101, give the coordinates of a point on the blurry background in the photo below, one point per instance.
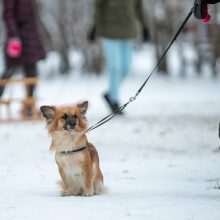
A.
x: 65, y: 24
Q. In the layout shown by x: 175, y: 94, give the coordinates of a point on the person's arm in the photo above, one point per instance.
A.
x: 14, y: 45
x: 97, y: 16
x: 98, y: 11
x: 9, y: 18
x: 140, y: 12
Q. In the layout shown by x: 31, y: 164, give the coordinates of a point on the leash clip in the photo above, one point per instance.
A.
x: 132, y: 99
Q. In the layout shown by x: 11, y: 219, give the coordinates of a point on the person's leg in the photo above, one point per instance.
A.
x: 112, y: 56
x: 126, y: 57
x: 6, y: 75
x: 30, y: 70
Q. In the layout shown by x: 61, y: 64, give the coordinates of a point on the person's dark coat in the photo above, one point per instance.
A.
x: 20, y: 21
x: 117, y: 19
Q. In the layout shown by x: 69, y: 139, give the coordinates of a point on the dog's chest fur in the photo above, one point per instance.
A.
x: 71, y: 165
x: 62, y: 141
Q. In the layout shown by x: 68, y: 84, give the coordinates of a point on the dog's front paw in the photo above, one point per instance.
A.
x: 88, y: 192
x: 64, y: 193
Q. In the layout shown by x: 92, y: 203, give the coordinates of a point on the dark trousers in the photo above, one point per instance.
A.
x: 30, y: 70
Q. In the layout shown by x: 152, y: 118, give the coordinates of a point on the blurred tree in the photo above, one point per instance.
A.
x: 65, y: 25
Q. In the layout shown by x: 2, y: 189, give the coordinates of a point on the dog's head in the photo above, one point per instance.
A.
x: 68, y: 120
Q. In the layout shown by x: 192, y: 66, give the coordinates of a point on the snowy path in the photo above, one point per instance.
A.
x: 145, y: 180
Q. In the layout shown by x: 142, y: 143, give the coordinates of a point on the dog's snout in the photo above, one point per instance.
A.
x: 70, y: 123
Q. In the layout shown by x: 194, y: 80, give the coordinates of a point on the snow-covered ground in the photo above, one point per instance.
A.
x: 160, y: 161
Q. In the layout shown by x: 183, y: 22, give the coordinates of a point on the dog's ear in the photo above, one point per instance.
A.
x: 48, y: 112
x: 83, y: 107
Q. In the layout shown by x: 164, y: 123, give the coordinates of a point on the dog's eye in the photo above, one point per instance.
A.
x: 64, y: 116
x: 75, y: 116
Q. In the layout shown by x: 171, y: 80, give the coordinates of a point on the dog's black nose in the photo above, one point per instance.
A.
x: 70, y: 123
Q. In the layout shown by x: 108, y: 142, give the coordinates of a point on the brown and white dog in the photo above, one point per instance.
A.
x: 77, y: 159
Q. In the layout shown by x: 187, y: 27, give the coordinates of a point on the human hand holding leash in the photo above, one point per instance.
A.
x: 201, y: 9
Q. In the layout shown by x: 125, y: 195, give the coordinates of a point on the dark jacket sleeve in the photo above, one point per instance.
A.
x: 98, y: 10
x: 9, y: 18
x: 140, y: 12
x: 213, y: 1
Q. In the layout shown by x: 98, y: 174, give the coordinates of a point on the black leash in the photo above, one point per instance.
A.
x: 121, y: 108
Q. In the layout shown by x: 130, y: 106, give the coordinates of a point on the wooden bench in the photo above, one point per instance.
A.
x: 28, y: 103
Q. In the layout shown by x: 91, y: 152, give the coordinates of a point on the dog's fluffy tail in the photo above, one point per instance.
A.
x: 99, y: 188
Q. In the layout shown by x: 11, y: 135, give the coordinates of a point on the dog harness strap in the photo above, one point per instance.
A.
x: 81, y: 149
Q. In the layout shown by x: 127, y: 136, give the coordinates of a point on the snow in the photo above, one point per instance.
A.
x: 160, y: 160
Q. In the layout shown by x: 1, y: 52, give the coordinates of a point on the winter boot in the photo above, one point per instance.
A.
x: 1, y: 91
x: 6, y: 75
x: 113, y: 105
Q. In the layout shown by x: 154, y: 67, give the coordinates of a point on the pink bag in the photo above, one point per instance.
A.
x: 14, y: 47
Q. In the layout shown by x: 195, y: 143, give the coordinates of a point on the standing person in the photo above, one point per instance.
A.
x: 116, y: 23
x: 23, y: 46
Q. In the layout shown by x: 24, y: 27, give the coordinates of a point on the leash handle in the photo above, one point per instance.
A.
x: 133, y: 98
